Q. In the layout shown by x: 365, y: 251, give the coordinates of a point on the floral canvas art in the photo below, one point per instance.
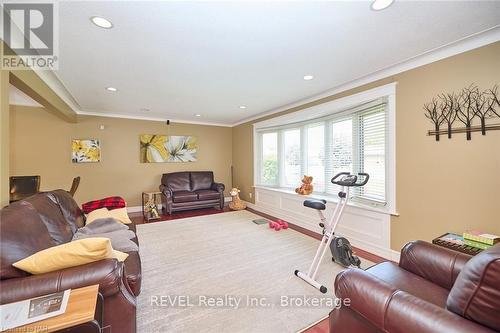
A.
x: 162, y: 148
x: 85, y: 151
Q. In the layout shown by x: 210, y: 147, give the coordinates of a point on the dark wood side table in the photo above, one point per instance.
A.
x: 452, y: 241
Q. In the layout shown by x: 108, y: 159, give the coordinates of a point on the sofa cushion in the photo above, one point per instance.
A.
x: 208, y: 195
x: 50, y: 213
x: 185, y: 196
x: 413, y: 284
x: 133, y: 272
x: 201, y: 180
x: 69, y: 208
x: 476, y: 292
x: 23, y: 233
x: 72, y: 254
x: 177, y: 181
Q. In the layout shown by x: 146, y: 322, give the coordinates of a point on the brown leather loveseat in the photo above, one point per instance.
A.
x: 51, y: 218
x: 190, y: 190
x: 433, y: 289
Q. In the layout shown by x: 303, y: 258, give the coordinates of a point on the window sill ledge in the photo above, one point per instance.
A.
x: 330, y: 198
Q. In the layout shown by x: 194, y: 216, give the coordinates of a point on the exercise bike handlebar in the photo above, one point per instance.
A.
x: 350, y: 180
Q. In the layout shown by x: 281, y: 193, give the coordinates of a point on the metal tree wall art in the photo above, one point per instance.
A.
x: 468, y: 105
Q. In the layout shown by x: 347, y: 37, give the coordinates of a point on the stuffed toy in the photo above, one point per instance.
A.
x: 236, y: 203
x: 278, y: 225
x: 306, y: 188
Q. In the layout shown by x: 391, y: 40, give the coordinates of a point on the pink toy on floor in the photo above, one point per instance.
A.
x: 278, y: 225
x: 283, y: 224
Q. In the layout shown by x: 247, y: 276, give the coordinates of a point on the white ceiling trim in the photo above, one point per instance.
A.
x: 465, y: 44
x: 178, y: 121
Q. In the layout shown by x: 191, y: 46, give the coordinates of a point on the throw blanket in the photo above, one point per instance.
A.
x: 109, y: 202
x: 103, y: 225
x: 117, y: 232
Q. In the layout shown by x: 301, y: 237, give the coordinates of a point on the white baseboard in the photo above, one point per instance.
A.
x: 134, y: 209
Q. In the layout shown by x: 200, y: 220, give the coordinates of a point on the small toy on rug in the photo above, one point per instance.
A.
x: 306, y: 188
x: 278, y: 225
x: 236, y: 203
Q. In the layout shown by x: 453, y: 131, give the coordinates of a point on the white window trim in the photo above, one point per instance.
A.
x: 338, y: 106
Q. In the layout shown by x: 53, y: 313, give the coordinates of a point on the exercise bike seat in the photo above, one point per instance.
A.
x: 319, y: 204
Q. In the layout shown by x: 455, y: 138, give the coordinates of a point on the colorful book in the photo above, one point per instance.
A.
x: 481, y: 237
x: 452, y: 238
x: 479, y: 245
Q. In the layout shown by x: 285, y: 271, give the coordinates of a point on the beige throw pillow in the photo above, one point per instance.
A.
x: 68, y: 255
x: 119, y: 214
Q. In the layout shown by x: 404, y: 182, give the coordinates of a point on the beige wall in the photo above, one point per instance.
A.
x: 451, y: 185
x: 4, y: 138
x: 41, y: 144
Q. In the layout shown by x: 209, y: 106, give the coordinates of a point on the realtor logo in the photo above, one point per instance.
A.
x: 29, y: 31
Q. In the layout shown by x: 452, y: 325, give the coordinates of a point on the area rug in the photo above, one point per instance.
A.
x: 224, y: 273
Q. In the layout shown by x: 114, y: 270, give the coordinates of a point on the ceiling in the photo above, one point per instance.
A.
x: 179, y: 59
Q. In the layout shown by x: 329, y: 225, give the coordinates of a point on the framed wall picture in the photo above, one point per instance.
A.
x: 156, y: 148
x: 85, y: 151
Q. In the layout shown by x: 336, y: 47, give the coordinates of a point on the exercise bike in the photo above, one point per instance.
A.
x: 339, y: 246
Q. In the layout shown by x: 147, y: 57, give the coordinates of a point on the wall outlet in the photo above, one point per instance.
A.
x: 250, y: 194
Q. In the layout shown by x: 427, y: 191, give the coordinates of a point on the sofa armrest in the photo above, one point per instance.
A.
x: 108, y: 274
x: 219, y: 187
x: 393, y: 310
x: 433, y: 263
x: 167, y: 191
x: 367, y: 295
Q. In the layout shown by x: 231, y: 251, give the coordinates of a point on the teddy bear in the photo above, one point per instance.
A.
x: 306, y: 188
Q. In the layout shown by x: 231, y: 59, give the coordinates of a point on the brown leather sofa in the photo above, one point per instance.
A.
x: 190, y: 190
x: 433, y: 289
x: 49, y: 219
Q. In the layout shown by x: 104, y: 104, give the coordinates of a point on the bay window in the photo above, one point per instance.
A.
x: 353, y: 139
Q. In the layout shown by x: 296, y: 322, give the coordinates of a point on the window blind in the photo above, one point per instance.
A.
x: 372, y: 129
x: 353, y: 140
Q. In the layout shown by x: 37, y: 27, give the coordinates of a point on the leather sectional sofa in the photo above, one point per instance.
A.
x: 49, y: 219
x: 433, y: 289
x: 190, y: 190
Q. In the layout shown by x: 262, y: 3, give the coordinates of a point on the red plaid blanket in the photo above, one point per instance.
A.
x: 109, y: 202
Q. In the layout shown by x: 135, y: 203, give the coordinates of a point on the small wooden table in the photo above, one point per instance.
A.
x: 155, y: 197
x: 81, y: 309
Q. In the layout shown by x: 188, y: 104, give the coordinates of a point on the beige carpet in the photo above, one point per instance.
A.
x: 225, y: 258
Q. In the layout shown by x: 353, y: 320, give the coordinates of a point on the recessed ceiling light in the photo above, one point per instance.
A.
x: 112, y: 89
x: 381, y: 4
x: 242, y: 107
x: 144, y: 109
x: 197, y: 115
x: 308, y: 77
x: 101, y: 22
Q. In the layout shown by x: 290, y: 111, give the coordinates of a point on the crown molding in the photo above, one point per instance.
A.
x: 462, y: 45
x: 465, y: 44
x: 123, y: 116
